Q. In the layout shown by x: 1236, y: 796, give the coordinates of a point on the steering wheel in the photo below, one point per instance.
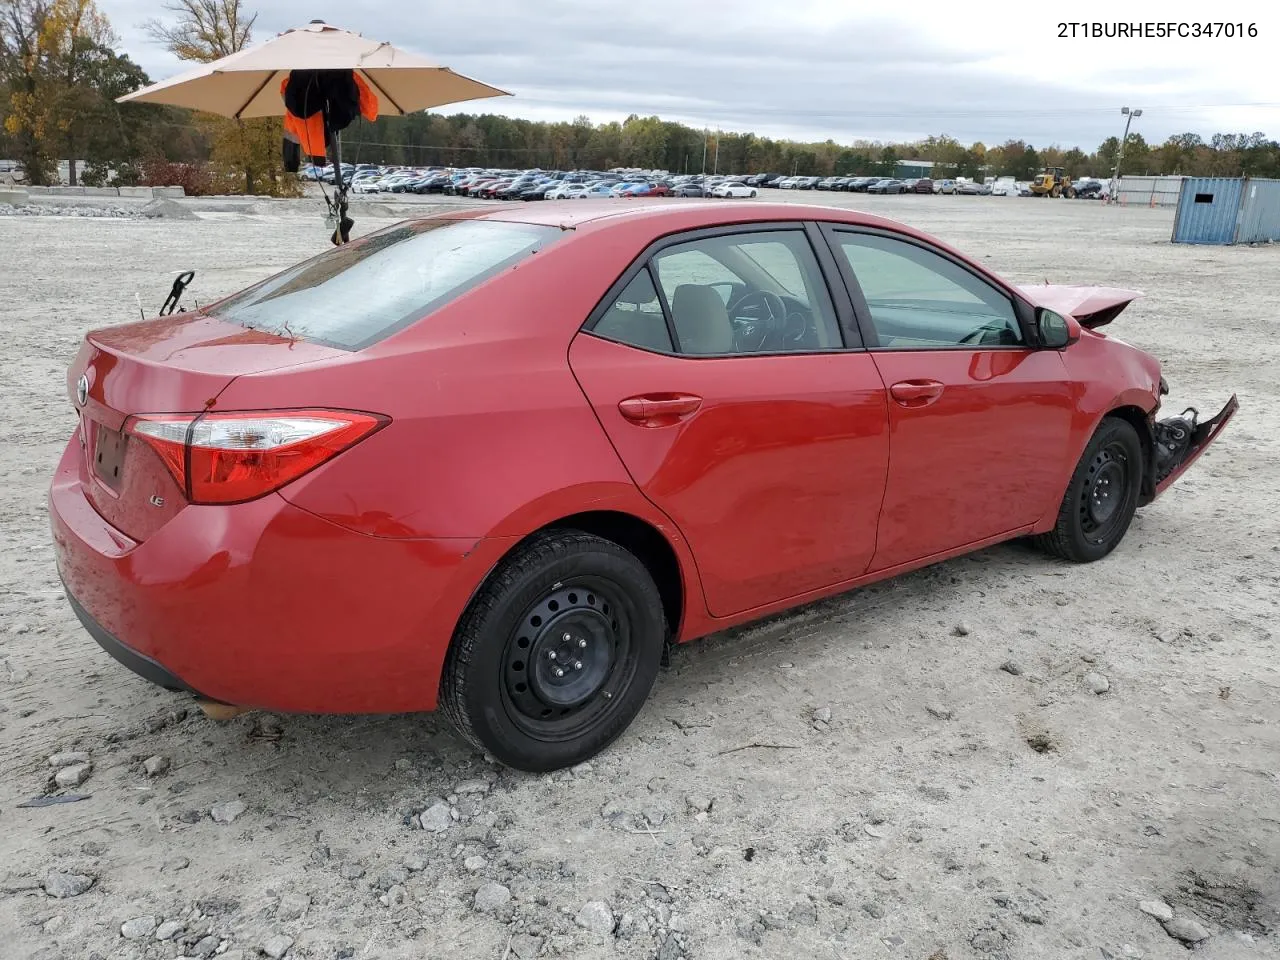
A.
x: 979, y: 336
x: 773, y: 318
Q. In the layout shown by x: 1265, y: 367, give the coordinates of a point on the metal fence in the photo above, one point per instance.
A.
x: 1147, y: 191
x: 1226, y: 210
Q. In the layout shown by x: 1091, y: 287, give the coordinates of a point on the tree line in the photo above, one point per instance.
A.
x: 60, y: 72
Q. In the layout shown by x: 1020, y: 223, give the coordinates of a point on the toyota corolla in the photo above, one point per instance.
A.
x: 495, y: 462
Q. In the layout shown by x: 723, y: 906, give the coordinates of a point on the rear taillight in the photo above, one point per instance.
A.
x: 233, y: 457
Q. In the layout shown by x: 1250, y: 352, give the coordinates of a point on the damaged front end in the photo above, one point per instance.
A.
x: 1177, y: 442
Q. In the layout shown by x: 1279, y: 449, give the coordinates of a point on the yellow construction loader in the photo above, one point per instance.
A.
x: 1051, y: 183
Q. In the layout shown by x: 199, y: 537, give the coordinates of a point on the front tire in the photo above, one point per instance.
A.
x: 556, y: 654
x: 1101, y: 498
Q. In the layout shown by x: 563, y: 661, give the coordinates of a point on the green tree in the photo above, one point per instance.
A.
x: 45, y: 46
x: 888, y: 164
x: 1137, y: 155
x: 1074, y: 163
x: 1105, y: 156
x: 1016, y: 159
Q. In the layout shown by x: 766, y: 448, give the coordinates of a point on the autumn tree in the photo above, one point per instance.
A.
x: 208, y: 30
x: 204, y: 30
x: 1074, y: 163
x: 24, y: 73
x: 46, y: 49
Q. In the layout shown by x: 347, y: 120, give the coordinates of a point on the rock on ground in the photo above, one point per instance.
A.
x: 490, y: 897
x: 73, y: 776
x: 168, y: 209
x: 66, y: 885
x: 277, y: 946
x: 138, y: 928
x: 596, y: 917
x: 169, y: 929
x: 1186, y: 929
x: 1157, y: 908
x: 68, y: 758
x: 436, y: 818
x: 227, y: 812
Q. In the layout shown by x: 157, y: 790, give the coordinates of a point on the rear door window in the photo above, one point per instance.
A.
x: 357, y: 294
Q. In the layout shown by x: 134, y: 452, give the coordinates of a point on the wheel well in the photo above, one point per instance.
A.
x: 648, y: 545
x: 1137, y: 419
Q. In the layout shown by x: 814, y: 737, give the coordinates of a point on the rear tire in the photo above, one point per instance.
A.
x: 500, y: 687
x: 1101, y: 498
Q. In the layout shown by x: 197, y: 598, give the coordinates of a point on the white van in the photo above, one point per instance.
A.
x: 1004, y: 187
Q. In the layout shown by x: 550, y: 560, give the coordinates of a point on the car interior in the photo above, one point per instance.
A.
x: 917, y: 298
x: 726, y: 295
x: 752, y: 294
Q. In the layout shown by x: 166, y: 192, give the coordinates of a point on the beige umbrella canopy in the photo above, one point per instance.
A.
x: 247, y: 84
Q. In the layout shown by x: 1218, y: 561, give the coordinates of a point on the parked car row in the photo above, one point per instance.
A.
x: 538, y: 184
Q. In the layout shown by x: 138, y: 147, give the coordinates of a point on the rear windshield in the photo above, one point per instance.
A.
x: 363, y: 291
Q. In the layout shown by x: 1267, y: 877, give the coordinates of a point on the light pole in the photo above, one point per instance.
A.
x: 704, y: 151
x: 1128, y: 119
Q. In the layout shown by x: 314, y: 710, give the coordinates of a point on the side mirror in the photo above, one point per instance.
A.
x: 1055, y: 330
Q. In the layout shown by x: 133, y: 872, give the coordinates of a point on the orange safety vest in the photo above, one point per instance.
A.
x: 309, y: 131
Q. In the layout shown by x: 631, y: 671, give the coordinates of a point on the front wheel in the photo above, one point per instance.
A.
x: 1101, y: 498
x: 556, y: 654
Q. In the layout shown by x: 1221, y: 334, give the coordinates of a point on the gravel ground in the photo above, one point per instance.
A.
x: 1001, y: 756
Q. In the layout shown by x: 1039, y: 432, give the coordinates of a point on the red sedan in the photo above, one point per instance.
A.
x: 495, y: 462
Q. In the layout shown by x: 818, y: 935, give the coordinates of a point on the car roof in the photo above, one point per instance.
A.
x: 592, y: 215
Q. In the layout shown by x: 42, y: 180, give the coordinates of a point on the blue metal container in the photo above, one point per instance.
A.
x: 1208, y: 208
x: 1259, y: 212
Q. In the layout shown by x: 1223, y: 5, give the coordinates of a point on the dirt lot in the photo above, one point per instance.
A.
x: 940, y: 779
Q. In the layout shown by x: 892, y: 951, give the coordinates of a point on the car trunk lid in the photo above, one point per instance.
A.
x: 1090, y: 306
x: 177, y: 364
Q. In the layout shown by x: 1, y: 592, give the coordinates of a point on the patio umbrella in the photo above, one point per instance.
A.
x: 248, y: 83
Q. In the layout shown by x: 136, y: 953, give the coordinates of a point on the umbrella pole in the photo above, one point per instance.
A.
x: 343, y: 230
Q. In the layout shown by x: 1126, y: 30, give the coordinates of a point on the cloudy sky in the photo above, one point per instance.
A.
x: 813, y: 69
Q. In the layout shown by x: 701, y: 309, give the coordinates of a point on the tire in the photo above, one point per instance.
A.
x: 499, y: 689
x: 753, y: 194
x: 1101, y: 498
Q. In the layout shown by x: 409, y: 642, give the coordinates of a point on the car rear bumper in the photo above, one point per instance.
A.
x: 266, y: 605
x: 144, y: 667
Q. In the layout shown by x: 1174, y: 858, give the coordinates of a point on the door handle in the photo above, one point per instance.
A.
x: 659, y: 409
x: 916, y: 393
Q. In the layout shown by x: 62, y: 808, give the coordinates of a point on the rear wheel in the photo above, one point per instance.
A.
x: 1101, y: 498
x: 556, y: 654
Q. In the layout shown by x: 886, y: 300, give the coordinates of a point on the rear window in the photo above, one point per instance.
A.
x: 363, y: 291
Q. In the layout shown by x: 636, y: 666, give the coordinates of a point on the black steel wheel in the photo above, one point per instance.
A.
x: 568, y: 659
x: 1101, y: 497
x: 557, y: 652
